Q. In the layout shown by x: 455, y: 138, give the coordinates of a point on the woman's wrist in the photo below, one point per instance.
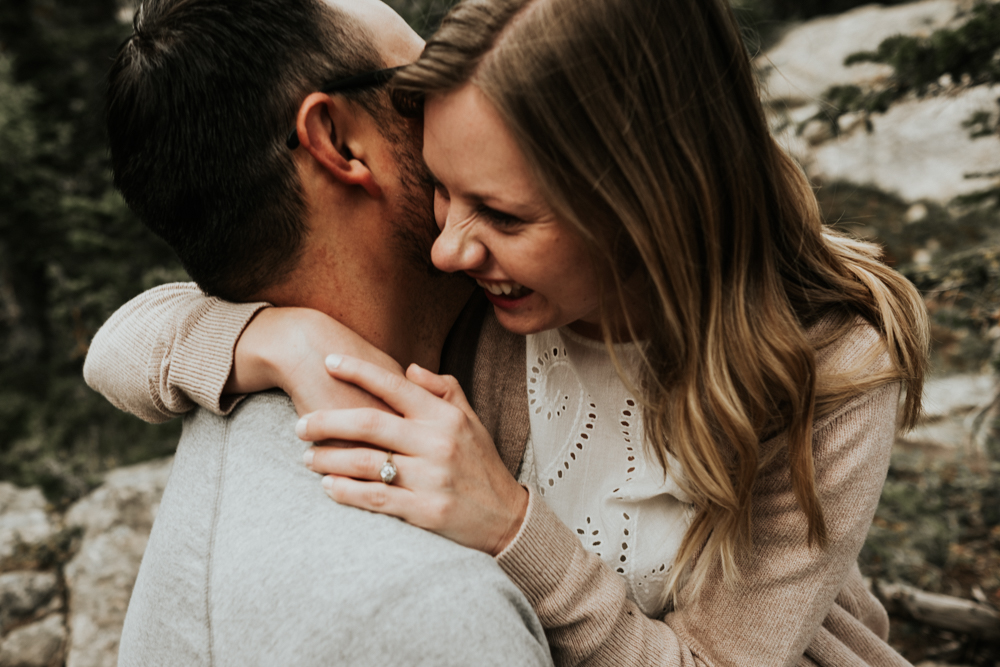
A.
x: 519, y: 505
x: 256, y: 366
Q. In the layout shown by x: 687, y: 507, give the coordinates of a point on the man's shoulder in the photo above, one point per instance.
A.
x: 270, y: 409
x: 246, y: 539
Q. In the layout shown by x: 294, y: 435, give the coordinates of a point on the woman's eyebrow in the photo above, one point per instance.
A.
x: 477, y: 198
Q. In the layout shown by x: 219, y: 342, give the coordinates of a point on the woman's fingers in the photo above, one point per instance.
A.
x: 444, y: 387
x: 356, y: 462
x: 372, y: 496
x: 364, y: 425
x: 399, y: 393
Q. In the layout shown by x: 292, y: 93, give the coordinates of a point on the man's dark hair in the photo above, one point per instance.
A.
x: 200, y: 100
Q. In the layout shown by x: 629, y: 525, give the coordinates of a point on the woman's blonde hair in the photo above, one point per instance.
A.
x: 643, y: 127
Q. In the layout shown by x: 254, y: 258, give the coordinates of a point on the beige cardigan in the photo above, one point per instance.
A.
x: 172, y: 347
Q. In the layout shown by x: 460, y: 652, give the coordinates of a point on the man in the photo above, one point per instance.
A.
x: 249, y: 562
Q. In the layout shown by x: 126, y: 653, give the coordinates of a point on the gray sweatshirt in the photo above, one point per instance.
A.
x: 249, y: 563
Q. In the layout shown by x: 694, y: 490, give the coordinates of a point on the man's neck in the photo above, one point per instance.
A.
x: 405, y: 312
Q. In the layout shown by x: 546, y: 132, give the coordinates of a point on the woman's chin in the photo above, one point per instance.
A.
x: 520, y: 323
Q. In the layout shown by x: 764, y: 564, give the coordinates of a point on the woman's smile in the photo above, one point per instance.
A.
x: 510, y: 290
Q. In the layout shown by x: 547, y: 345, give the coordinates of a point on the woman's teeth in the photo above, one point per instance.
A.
x: 510, y: 289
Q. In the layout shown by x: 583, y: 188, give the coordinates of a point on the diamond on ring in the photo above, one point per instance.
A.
x: 388, y: 471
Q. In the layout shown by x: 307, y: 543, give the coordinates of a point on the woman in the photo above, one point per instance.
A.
x: 605, y: 171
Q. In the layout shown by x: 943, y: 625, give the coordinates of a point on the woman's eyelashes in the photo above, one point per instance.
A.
x: 498, y: 218
x: 490, y: 215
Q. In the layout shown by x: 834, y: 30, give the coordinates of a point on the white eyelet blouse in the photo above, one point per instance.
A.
x: 585, y: 457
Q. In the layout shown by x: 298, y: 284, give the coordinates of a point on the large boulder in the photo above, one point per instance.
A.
x: 23, y: 518
x: 810, y: 57
x: 23, y: 594
x: 116, y: 520
x: 37, y: 645
x: 958, y: 412
x: 917, y: 150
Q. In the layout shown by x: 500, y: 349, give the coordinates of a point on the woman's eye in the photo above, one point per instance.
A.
x: 499, y: 218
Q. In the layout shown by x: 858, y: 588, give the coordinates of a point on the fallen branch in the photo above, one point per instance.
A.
x: 940, y: 611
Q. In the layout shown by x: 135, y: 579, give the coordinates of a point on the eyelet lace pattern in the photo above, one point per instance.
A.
x: 586, y: 458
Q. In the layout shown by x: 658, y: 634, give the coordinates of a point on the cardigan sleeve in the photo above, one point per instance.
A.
x: 787, y: 587
x: 168, y: 350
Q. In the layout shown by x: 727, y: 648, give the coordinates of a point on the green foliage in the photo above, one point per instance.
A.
x: 961, y: 280
x: 980, y: 124
x: 938, y: 526
x: 70, y: 251
x: 790, y: 10
x: 839, y: 100
x: 970, y: 52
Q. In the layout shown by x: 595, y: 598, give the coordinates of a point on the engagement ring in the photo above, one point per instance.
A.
x: 388, y: 471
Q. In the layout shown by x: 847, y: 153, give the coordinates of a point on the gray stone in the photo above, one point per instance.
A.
x: 116, y: 519
x: 917, y: 150
x: 23, y: 518
x: 22, y: 594
x: 954, y: 414
x: 37, y: 645
x: 958, y: 394
x: 810, y: 58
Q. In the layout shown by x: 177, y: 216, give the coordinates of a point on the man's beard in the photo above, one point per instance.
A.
x: 414, y: 229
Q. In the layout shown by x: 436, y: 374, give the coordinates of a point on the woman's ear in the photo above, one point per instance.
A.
x: 324, y: 126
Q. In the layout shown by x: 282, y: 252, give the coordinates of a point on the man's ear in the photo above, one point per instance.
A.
x: 324, y: 126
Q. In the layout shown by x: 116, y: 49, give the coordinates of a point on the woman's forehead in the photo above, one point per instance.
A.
x: 468, y: 146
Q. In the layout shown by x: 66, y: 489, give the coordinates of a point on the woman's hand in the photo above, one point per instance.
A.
x: 285, y: 347
x: 450, y: 478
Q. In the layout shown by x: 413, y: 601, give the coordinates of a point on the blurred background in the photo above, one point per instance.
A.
x: 892, y: 109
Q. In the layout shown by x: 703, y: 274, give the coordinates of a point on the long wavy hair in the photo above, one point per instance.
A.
x: 642, y: 124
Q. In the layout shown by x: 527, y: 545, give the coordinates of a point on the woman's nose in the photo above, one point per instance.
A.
x: 458, y: 248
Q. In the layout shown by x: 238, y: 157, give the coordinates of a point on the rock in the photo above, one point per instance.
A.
x: 957, y: 394
x: 116, y: 519
x: 954, y: 414
x: 36, y: 645
x: 22, y: 593
x: 917, y: 150
x: 23, y: 518
x: 810, y: 58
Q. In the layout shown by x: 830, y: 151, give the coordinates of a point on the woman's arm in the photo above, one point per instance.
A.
x: 172, y: 348
x: 166, y: 351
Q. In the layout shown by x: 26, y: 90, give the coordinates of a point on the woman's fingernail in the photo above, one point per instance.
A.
x: 307, y: 457
x: 300, y: 428
x: 333, y: 361
x: 327, y: 482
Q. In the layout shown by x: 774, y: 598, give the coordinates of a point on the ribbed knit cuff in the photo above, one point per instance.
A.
x: 202, y: 364
x: 540, y: 555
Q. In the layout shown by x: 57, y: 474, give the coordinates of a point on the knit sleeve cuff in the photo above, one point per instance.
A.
x: 201, y: 365
x: 539, y: 557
